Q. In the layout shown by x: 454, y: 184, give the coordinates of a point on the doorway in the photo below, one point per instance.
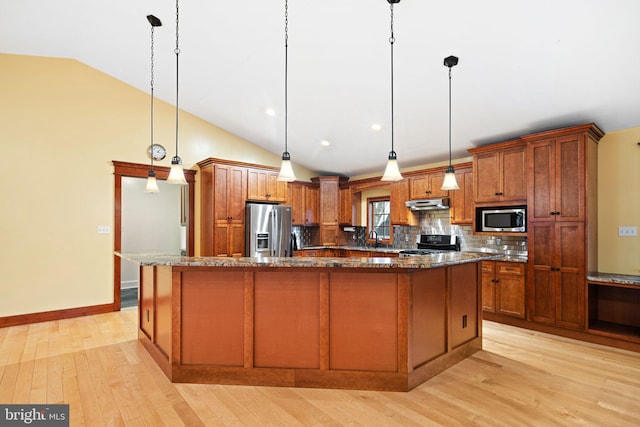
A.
x: 151, y: 216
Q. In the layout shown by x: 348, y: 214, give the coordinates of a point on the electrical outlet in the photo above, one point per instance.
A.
x: 628, y: 231
x: 104, y: 229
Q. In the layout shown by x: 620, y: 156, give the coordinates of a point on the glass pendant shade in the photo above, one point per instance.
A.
x: 450, y: 182
x: 176, y: 175
x: 152, y: 184
x: 286, y: 170
x: 392, y: 172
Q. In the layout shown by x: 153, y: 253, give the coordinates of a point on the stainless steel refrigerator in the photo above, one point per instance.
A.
x: 268, y: 229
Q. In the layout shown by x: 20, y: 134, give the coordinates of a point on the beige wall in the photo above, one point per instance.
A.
x: 61, y: 125
x: 619, y: 201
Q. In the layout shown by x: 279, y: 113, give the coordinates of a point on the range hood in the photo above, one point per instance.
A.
x: 428, y: 204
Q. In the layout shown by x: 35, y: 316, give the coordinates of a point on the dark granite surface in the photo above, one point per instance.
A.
x: 624, y: 279
x: 425, y: 261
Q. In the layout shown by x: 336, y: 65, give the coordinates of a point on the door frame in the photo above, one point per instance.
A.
x: 137, y: 170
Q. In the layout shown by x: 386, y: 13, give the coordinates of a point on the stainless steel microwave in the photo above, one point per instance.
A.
x: 502, y: 219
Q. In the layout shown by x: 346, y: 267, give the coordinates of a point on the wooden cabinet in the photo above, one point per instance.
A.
x: 312, y: 204
x: 557, y: 179
x: 427, y: 186
x: 503, y: 288
x: 557, y: 276
x: 562, y: 212
x: 461, y: 200
x: 263, y: 186
x: 223, y: 196
x: 500, y: 172
x: 329, y: 209
x: 400, y: 214
x: 304, y: 201
x: 463, y: 299
x: 346, y: 206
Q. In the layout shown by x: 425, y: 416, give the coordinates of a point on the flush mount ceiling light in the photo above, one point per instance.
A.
x: 176, y: 175
x: 450, y: 182
x: 152, y: 184
x: 286, y: 170
x: 392, y: 172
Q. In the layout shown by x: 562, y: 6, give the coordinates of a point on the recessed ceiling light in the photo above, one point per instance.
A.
x: 270, y: 112
x: 376, y: 126
x: 325, y: 143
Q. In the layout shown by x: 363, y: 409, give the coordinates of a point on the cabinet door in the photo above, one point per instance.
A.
x: 312, y: 205
x: 329, y: 201
x: 419, y: 187
x: 399, y: 212
x: 230, y: 193
x: 295, y: 199
x: 257, y: 184
x: 513, y: 177
x: 436, y: 180
x: 510, y: 289
x: 147, y: 302
x: 462, y: 199
x: 571, y: 275
x: 329, y: 235
x: 570, y: 172
x: 346, y: 206
x: 276, y: 190
x: 487, y: 176
x: 542, y: 181
x: 237, y: 239
x: 488, y: 286
x: 540, y: 283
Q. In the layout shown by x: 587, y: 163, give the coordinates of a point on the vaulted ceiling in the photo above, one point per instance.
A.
x: 524, y: 67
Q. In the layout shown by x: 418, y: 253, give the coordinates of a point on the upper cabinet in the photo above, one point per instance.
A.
x: 304, y: 201
x: 346, y: 206
x: 461, y: 200
x: 329, y: 209
x: 263, y: 186
x: 427, y: 186
x: 560, y: 176
x: 400, y: 214
x: 500, y: 172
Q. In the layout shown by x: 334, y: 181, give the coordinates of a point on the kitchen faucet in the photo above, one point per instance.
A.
x: 373, y: 234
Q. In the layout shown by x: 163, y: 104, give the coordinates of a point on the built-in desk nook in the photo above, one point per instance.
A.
x: 357, y: 323
x: 614, y: 306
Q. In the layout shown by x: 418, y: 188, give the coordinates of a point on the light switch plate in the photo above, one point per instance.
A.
x: 628, y: 231
x: 104, y: 229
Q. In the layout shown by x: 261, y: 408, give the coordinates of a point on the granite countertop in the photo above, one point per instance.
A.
x: 417, y: 262
x: 624, y: 279
x: 495, y: 255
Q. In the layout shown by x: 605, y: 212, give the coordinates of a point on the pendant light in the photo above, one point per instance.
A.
x: 450, y: 182
x: 176, y: 174
x: 152, y: 184
x: 392, y: 172
x: 286, y: 170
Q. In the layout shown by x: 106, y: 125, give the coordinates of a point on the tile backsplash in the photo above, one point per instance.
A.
x: 431, y: 222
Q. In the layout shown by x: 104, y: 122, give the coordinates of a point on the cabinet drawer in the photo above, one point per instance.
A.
x: 488, y: 266
x: 509, y: 268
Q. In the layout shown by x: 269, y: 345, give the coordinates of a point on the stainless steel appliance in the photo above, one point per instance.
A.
x: 432, y: 243
x: 509, y: 219
x: 268, y: 230
x: 428, y: 204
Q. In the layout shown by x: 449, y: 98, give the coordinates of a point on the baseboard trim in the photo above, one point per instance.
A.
x: 24, y: 319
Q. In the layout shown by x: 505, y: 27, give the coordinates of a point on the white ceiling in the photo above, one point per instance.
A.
x: 525, y: 66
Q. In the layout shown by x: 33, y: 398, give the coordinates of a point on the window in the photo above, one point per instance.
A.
x: 378, y: 217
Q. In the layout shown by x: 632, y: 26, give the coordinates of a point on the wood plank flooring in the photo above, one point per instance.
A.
x: 521, y: 378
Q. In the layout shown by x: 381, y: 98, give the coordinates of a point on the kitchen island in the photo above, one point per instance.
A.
x: 357, y: 323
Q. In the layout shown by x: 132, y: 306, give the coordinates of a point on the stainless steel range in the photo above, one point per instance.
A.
x: 432, y: 243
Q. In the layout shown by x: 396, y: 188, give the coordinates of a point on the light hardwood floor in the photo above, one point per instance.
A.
x: 521, y: 378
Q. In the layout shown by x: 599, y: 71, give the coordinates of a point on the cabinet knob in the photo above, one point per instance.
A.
x: 268, y: 195
x: 229, y: 217
x: 428, y: 191
x: 500, y: 193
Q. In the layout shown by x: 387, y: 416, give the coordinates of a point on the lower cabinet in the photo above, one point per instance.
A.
x: 503, y: 288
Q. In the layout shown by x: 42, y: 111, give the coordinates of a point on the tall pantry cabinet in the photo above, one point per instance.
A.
x: 562, y: 222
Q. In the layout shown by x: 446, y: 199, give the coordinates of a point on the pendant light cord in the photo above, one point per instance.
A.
x: 152, y: 31
x: 392, y: 40
x: 286, y: 76
x: 449, y: 116
x: 177, y: 52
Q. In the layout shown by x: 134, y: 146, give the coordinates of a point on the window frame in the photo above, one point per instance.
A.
x: 370, y: 226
